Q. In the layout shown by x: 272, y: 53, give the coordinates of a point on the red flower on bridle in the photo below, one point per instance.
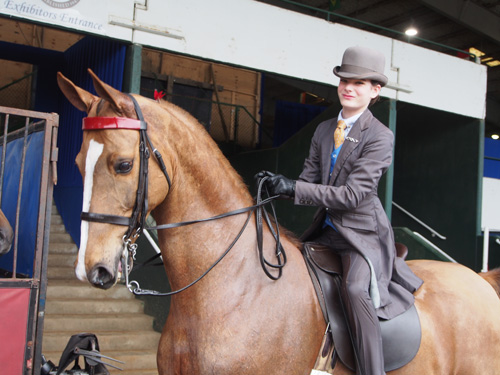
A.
x: 158, y: 95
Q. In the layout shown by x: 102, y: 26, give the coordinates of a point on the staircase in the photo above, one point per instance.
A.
x: 115, y: 316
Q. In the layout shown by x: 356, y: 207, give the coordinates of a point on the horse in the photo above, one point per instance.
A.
x: 6, y: 234
x: 237, y: 320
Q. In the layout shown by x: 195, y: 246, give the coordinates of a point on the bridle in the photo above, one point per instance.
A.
x: 136, y: 222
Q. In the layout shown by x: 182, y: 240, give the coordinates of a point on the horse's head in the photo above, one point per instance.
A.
x: 109, y: 161
x: 6, y: 234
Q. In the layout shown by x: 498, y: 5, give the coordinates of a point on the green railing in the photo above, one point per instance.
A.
x: 17, y: 94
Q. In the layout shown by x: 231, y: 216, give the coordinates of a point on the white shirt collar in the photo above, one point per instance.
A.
x: 351, y: 120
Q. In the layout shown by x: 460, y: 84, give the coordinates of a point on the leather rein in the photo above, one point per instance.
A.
x: 136, y: 222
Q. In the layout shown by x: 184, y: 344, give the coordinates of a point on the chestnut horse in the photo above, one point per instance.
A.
x: 6, y: 234
x: 237, y: 320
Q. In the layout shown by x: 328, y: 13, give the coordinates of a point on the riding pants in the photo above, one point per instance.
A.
x: 363, y: 320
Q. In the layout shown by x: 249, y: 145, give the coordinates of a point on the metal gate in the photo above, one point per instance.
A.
x: 27, y: 174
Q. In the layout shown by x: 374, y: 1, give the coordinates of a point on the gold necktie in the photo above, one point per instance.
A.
x: 338, y: 135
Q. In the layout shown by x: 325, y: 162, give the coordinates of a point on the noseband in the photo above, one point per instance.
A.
x: 136, y: 222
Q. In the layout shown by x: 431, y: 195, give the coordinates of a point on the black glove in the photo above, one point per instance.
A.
x: 277, y: 184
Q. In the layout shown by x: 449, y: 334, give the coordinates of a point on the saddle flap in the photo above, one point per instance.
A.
x: 324, y: 258
x: 400, y: 336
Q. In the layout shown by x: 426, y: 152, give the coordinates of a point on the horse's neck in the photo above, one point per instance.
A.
x: 203, y: 185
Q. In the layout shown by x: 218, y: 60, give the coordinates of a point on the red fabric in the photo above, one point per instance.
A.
x: 97, y: 123
x: 14, y: 304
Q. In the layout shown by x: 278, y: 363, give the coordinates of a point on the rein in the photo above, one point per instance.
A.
x: 136, y: 222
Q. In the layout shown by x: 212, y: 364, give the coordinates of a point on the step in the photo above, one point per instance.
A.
x: 64, y: 273
x: 90, y: 306
x: 108, y: 341
x: 144, y: 360
x: 61, y: 260
x: 60, y: 237
x: 97, y: 322
x: 63, y: 248
x: 57, y: 228
x: 56, y: 219
x: 74, y: 289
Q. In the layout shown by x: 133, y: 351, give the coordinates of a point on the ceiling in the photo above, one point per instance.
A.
x: 459, y: 24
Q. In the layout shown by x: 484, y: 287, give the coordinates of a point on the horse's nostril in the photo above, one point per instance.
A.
x: 101, y: 277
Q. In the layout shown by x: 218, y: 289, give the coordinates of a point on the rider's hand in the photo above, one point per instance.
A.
x: 277, y: 184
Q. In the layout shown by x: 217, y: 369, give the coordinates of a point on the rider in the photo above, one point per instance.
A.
x: 342, y: 181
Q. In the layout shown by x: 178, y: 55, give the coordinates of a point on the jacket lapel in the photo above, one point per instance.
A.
x: 352, y: 141
x: 327, y: 151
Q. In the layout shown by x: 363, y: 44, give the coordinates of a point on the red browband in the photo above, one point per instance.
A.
x: 97, y: 123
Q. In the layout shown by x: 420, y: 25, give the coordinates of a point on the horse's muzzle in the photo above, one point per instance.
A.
x: 101, y: 277
x: 5, y: 241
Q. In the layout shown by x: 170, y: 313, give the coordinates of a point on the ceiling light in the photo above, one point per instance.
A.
x: 411, y: 31
x: 476, y: 52
x: 493, y: 63
x: 495, y: 136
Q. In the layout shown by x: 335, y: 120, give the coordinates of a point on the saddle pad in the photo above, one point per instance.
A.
x: 400, y: 336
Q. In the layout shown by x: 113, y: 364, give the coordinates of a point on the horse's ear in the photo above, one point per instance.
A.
x: 121, y: 103
x: 77, y: 96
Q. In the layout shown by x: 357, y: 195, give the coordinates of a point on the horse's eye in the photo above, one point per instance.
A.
x: 124, y: 166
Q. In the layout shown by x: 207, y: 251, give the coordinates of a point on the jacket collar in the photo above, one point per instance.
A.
x: 351, y: 142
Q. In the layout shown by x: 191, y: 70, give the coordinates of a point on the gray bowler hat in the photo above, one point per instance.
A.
x: 362, y: 63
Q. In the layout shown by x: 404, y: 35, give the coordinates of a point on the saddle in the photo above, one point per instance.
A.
x: 400, y: 336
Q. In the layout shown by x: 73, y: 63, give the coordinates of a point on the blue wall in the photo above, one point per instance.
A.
x: 106, y: 58
x: 491, y: 150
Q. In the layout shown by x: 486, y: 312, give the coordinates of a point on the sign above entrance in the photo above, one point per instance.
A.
x: 61, y: 4
x: 79, y: 15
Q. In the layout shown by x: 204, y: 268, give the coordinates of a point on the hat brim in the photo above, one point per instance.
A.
x: 369, y: 75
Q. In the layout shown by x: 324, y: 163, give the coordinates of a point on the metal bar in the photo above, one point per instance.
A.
x: 19, y: 195
x: 221, y: 114
x: 26, y: 113
x: 435, y: 247
x: 480, y: 174
x: 16, y: 81
x: 492, y: 158
x: 433, y: 232
x: 4, y: 152
x: 152, y: 242
x: 389, y: 175
x: 486, y: 244
x: 47, y: 182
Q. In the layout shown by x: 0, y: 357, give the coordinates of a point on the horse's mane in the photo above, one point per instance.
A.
x: 185, y: 117
x: 493, y: 278
x: 180, y: 114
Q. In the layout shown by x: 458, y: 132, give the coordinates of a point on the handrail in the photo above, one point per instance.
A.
x: 16, y: 81
x: 435, y: 247
x: 433, y: 232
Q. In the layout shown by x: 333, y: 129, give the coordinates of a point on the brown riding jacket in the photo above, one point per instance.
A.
x: 350, y: 197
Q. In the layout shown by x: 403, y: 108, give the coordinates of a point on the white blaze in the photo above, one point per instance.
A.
x: 93, y: 154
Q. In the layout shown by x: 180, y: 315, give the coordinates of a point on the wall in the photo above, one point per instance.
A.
x: 235, y: 86
x: 437, y: 178
x: 267, y: 38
